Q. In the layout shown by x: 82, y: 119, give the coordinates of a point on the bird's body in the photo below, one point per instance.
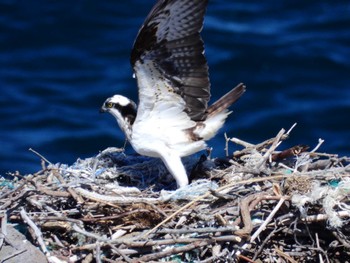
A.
x: 172, y: 119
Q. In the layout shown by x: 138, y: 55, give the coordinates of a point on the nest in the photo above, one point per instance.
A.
x: 259, y: 205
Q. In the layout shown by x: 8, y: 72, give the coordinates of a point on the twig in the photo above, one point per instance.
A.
x: 320, y: 142
x: 19, y: 187
x: 249, y: 147
x: 120, y: 252
x: 323, y: 217
x: 226, y: 144
x: 52, y: 192
x: 88, y: 234
x: 174, y: 250
x: 208, y: 194
x: 246, y: 259
x: 37, y: 232
x: 318, y: 246
x: 268, y: 219
x: 77, y: 197
x: 161, y: 242
x: 61, y: 218
x: 98, y: 253
x: 291, y: 128
x: 3, y: 232
x: 38, y: 154
x: 197, y: 230
x: 273, y: 147
x: 242, y: 143
x: 262, y: 245
x: 112, y: 217
x: 340, y: 237
x: 284, y: 255
x: 20, y: 196
x: 245, y: 215
x: 115, y: 199
x: 57, y: 241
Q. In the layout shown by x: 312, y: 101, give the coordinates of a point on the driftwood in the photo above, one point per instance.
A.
x: 260, y: 204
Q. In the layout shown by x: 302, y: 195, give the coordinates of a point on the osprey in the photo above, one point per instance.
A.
x: 172, y: 119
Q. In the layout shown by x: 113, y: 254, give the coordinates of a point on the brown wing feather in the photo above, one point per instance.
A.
x: 170, y: 38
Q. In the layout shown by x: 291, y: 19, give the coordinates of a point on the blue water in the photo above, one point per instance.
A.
x: 59, y: 60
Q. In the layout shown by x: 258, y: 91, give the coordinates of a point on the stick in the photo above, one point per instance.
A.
x: 226, y: 144
x: 37, y: 232
x: 249, y: 147
x: 3, y: 233
x: 242, y: 143
x: 320, y: 141
x: 38, y: 154
x: 291, y: 128
x: 160, y: 242
x: 323, y: 217
x: 208, y: 194
x: 98, y: 253
x: 284, y: 255
x: 268, y: 219
x: 174, y: 250
x: 120, y: 252
x: 115, y: 199
x: 273, y: 147
x: 318, y: 246
x: 197, y: 230
x: 88, y: 234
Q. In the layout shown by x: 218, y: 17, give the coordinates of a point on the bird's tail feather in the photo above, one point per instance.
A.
x: 226, y: 101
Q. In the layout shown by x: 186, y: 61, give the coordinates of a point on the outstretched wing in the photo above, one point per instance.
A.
x: 168, y: 57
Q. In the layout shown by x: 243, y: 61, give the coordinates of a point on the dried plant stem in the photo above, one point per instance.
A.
x: 41, y: 156
x: 208, y: 194
x: 267, y: 220
x: 273, y: 147
x: 37, y: 231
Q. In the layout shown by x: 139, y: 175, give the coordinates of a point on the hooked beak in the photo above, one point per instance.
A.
x: 103, y: 109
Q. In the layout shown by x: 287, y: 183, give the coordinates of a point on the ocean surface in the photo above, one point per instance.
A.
x: 59, y: 61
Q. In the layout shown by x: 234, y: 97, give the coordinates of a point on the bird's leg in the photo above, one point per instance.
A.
x: 124, y: 146
x: 176, y: 168
x: 208, y: 151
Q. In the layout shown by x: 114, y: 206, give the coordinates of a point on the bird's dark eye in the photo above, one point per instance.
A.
x: 109, y: 104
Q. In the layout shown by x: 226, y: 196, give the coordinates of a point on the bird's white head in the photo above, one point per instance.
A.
x: 124, y: 110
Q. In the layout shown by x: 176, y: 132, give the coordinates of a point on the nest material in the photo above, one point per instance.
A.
x: 260, y: 205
